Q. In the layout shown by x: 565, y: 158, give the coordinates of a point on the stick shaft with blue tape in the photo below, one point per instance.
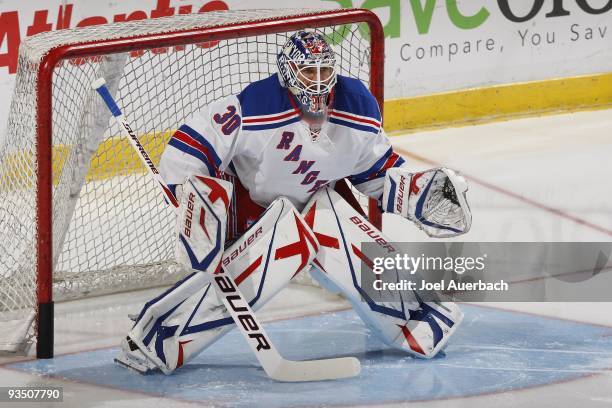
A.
x: 100, y: 86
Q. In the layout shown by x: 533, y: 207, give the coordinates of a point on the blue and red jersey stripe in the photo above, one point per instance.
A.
x: 388, y: 160
x: 191, y: 142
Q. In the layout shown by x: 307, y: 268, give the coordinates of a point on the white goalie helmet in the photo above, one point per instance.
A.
x: 307, y: 67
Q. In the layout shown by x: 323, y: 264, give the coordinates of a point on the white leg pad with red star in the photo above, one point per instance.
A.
x: 400, y: 319
x: 262, y: 262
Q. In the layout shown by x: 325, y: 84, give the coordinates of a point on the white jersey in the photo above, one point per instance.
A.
x: 258, y: 135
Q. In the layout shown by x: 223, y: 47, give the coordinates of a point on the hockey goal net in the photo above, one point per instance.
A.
x: 78, y: 214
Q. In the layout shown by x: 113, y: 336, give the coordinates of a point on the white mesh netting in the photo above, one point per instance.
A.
x: 111, y: 229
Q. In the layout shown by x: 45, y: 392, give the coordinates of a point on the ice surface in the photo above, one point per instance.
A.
x: 496, y: 351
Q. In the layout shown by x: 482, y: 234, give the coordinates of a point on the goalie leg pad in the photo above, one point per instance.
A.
x: 405, y: 322
x: 262, y: 262
x: 137, y: 345
x: 199, y: 240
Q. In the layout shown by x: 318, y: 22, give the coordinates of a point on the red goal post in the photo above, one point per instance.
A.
x: 52, y: 74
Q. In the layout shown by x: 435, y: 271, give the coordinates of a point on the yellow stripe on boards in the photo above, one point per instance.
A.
x: 501, y: 102
x: 114, y: 157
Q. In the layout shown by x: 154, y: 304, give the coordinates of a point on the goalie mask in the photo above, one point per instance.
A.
x: 307, y: 67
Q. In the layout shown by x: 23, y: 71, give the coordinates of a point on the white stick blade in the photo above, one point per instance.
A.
x: 317, y: 370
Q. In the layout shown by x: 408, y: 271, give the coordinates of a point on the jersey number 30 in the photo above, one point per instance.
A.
x: 230, y: 120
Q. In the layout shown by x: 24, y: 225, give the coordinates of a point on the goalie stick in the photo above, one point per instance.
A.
x: 273, y: 363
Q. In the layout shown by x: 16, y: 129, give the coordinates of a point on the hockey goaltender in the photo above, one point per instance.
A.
x: 287, y: 139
